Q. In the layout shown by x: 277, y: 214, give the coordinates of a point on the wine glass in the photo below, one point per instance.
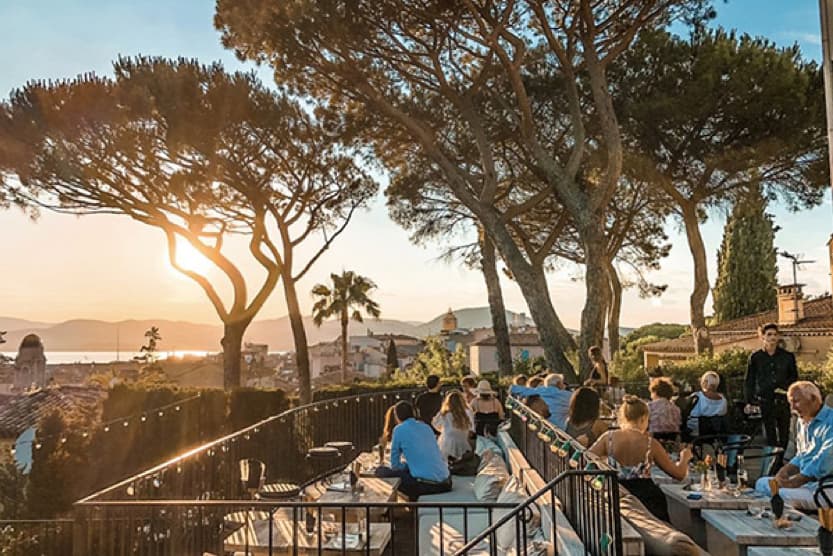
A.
x: 743, y: 479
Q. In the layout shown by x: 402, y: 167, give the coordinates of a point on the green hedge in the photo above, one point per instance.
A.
x: 247, y: 406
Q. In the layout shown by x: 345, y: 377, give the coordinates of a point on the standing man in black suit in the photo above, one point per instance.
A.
x: 770, y: 373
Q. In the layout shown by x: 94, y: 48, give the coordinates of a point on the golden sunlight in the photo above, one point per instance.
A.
x: 190, y: 259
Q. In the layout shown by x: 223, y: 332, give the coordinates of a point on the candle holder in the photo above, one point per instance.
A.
x: 825, y: 538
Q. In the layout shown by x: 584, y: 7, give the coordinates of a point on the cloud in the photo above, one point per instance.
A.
x: 801, y: 36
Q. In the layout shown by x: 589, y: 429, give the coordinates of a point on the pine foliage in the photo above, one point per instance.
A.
x: 746, y: 261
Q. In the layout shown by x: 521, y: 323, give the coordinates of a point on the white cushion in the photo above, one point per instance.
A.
x: 490, y: 480
x: 513, y: 493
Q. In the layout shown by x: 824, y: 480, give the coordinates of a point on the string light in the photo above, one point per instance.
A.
x: 106, y: 426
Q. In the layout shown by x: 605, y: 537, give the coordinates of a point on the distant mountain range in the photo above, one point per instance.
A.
x: 96, y: 335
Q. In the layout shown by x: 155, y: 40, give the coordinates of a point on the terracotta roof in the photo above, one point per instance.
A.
x: 686, y: 344
x: 514, y: 340
x: 818, y: 314
x: 19, y: 412
x: 818, y: 319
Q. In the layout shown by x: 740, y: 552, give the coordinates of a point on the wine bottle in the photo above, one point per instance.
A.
x: 309, y: 522
x: 354, y: 480
x: 776, y: 502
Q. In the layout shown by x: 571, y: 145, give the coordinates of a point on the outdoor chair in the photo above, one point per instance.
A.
x: 252, y: 475
x: 323, y: 461
x: 823, y: 495
x: 713, y: 444
x: 345, y: 448
x: 771, y: 459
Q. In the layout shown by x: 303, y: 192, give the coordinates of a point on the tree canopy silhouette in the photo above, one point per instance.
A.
x: 199, y: 153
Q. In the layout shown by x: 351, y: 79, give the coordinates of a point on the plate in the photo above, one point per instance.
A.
x: 351, y: 542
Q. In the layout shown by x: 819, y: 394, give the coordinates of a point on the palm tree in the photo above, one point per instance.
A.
x: 348, y: 290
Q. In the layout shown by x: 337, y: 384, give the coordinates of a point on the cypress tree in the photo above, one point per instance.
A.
x: 746, y: 261
x: 392, y: 357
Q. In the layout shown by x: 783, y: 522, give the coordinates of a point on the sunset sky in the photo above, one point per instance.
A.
x: 111, y: 268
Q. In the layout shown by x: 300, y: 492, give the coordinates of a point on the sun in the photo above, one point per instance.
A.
x: 190, y: 259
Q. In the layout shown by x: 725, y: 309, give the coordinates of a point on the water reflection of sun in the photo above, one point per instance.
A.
x: 190, y: 259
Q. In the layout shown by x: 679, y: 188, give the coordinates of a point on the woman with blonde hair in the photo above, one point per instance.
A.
x: 454, y: 421
x: 632, y: 451
x: 390, y: 423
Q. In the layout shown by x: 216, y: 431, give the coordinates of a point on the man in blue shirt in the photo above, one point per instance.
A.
x: 813, y: 459
x: 554, y: 394
x: 424, y: 470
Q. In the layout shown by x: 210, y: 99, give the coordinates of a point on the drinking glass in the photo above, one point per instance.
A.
x: 732, y: 487
x: 755, y: 509
x: 743, y: 479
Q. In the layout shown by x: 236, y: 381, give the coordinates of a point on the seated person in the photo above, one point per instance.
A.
x: 553, y: 392
x: 424, y: 470
x: 797, y: 480
x: 454, y: 422
x: 468, y: 384
x: 428, y: 403
x: 708, y: 402
x: 666, y: 418
x: 487, y: 409
x: 519, y: 380
x: 599, y: 373
x: 534, y: 382
x: 538, y: 405
x: 631, y: 451
x: 387, y: 429
x: 583, y: 422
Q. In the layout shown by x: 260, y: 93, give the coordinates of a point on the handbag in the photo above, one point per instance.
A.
x: 465, y: 465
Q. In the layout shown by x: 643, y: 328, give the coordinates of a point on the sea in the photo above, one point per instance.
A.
x: 66, y: 357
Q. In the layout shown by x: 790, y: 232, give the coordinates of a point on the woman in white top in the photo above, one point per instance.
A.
x: 709, y: 402
x: 454, y: 422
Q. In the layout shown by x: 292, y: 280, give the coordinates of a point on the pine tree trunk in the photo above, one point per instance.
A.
x: 344, y: 323
x: 614, y: 310
x: 232, y: 343
x: 597, y: 292
x: 699, y: 331
x: 488, y: 264
x: 554, y: 337
x: 299, y: 337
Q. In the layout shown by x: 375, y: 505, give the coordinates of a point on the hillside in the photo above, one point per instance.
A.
x: 96, y: 335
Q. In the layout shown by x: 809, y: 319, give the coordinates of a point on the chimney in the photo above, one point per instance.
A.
x: 830, y: 255
x: 790, y: 304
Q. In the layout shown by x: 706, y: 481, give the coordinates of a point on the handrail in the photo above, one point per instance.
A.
x: 219, y: 442
x: 526, y: 503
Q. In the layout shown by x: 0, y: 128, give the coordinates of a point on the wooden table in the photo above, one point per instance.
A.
x: 369, y: 461
x: 782, y: 551
x: 255, y: 537
x: 685, y: 513
x: 376, y: 491
x: 732, y: 532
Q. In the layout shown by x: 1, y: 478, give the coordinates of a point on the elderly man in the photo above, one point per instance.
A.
x: 814, y: 448
x: 554, y: 394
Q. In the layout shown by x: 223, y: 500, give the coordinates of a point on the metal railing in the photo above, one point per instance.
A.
x: 196, y: 502
x: 518, y: 519
x: 184, y: 528
x: 23, y: 537
x: 590, y: 502
x: 211, y: 471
